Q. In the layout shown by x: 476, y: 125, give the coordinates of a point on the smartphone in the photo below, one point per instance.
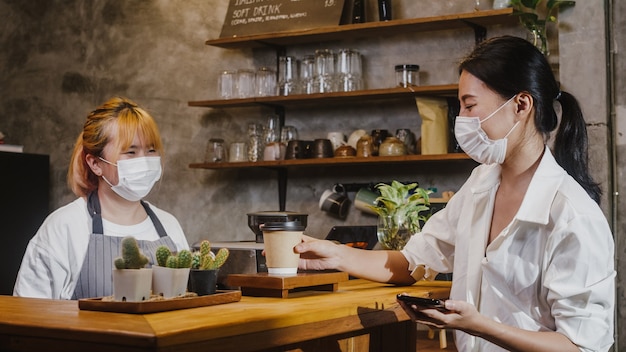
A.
x: 422, y: 302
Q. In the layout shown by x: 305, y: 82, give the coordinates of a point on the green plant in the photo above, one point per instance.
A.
x: 165, y: 258
x: 400, y: 208
x: 205, y: 259
x: 405, y: 201
x: 131, y: 258
x: 528, y: 12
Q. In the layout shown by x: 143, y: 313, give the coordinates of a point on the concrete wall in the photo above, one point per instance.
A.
x: 60, y: 59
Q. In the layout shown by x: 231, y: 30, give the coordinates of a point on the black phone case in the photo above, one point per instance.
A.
x: 421, y: 301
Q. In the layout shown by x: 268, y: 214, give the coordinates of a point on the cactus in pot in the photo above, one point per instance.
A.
x: 166, y: 259
x: 205, y: 265
x: 131, y: 258
x: 205, y: 259
x: 131, y: 281
x: 171, y: 272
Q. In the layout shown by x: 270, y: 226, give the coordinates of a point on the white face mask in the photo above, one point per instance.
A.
x: 475, y: 142
x: 135, y: 176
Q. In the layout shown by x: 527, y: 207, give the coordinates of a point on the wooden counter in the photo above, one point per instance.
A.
x: 360, y: 316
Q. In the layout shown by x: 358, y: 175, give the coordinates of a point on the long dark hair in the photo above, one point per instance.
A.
x: 510, y: 65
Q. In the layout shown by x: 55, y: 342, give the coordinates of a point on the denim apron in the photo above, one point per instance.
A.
x: 96, y: 278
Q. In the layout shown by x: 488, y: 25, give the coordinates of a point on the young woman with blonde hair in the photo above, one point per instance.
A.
x: 115, y: 163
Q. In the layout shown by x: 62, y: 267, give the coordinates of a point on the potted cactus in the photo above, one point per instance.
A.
x: 204, y: 269
x: 170, y: 275
x: 131, y: 280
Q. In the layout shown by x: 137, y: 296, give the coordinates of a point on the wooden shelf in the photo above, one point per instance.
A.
x: 476, y: 21
x: 332, y: 98
x: 361, y: 30
x: 378, y: 160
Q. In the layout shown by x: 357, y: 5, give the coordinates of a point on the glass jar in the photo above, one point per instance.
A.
x: 255, y: 141
x: 215, y: 152
x: 407, y: 75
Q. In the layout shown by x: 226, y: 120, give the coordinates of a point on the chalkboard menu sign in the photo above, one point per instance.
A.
x: 248, y: 17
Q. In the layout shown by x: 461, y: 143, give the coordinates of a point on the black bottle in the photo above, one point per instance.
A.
x: 384, y: 10
x: 358, y: 11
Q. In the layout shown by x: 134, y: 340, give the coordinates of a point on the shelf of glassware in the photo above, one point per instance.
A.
x: 332, y: 98
x: 475, y: 20
x: 337, y: 161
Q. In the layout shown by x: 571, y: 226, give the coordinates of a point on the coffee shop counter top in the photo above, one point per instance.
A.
x: 361, y: 313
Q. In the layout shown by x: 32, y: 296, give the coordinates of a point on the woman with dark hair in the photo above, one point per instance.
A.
x: 530, y: 249
x: 115, y: 163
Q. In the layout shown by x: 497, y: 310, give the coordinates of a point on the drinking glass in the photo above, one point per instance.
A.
x: 245, y: 83
x: 348, y: 70
x: 238, y: 152
x: 271, y: 130
x: 324, y: 71
x: 307, y: 74
x: 288, y: 133
x: 265, y: 82
x: 226, y: 84
x: 288, y: 73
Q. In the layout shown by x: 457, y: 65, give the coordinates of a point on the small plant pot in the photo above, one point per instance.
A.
x: 169, y: 282
x: 132, y: 285
x: 203, y: 282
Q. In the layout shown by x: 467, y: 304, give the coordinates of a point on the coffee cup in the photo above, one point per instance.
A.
x: 335, y: 201
x: 279, y: 240
x: 364, y: 199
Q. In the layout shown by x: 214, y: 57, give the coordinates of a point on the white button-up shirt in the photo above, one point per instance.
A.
x: 550, y: 269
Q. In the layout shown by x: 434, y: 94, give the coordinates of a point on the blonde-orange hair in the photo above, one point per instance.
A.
x: 116, y: 121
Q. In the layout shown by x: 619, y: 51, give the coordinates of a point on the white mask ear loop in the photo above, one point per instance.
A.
x: 498, y: 109
x: 104, y: 178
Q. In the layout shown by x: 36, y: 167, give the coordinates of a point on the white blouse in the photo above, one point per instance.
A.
x: 550, y: 269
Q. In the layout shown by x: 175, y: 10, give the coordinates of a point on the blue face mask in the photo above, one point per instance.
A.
x: 475, y: 142
x: 135, y: 176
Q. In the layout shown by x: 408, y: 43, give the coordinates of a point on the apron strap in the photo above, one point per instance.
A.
x: 93, y: 206
x: 155, y: 220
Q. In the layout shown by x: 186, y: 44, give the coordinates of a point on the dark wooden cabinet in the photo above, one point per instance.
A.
x: 24, y: 198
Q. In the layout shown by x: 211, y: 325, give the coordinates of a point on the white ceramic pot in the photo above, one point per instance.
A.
x: 168, y: 282
x: 132, y: 285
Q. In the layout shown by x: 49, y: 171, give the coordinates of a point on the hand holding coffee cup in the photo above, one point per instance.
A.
x: 279, y: 240
x: 335, y: 201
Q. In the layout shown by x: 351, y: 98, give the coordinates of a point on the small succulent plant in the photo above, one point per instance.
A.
x: 165, y: 258
x: 131, y: 258
x: 205, y: 259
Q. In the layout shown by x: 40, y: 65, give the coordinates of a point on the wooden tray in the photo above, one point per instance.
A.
x: 220, y: 297
x: 265, y: 285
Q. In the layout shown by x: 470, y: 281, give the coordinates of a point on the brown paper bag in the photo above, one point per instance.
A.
x: 434, y: 114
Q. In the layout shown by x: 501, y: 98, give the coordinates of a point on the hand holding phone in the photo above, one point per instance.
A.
x: 422, y: 302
